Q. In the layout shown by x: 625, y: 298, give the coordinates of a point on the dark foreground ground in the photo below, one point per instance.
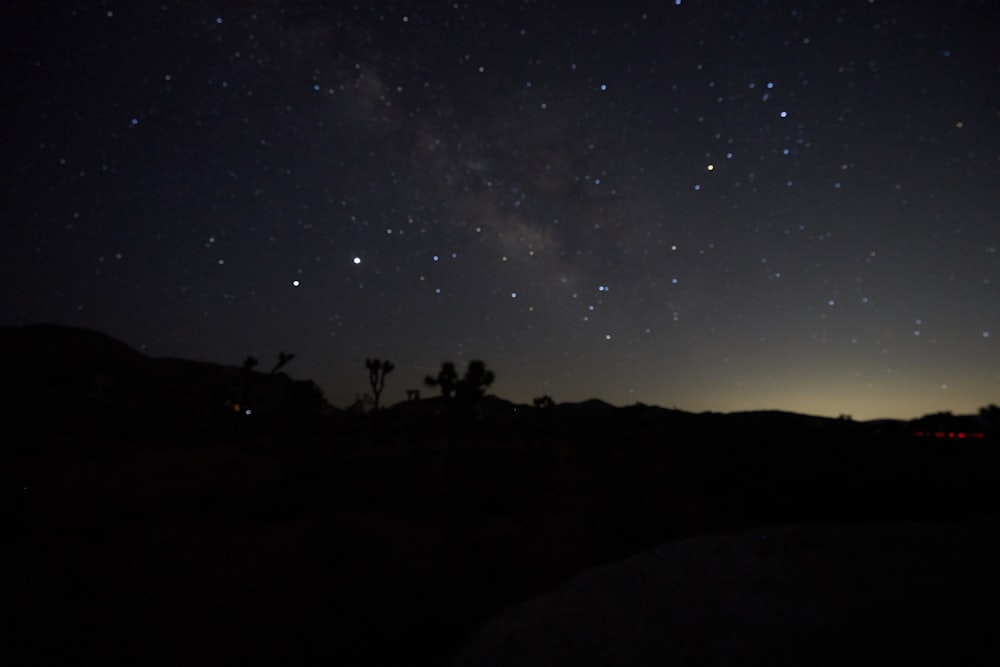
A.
x: 350, y: 547
x: 897, y: 593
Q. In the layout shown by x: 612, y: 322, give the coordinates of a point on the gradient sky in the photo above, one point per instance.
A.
x: 703, y: 205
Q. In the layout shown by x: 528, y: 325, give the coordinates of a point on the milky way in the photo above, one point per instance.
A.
x: 702, y: 205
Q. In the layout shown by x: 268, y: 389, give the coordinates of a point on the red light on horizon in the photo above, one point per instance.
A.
x: 961, y: 435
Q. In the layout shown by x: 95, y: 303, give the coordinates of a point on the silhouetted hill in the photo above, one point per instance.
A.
x: 591, y: 408
x: 85, y: 345
x: 71, y: 379
x: 56, y: 361
x: 66, y: 379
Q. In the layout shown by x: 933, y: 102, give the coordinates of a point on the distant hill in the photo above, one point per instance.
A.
x: 65, y: 378
x: 73, y: 379
x: 46, y: 354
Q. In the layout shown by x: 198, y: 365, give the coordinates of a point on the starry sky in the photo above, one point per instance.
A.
x: 703, y: 205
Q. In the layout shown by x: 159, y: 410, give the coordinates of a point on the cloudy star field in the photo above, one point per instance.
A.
x: 704, y: 205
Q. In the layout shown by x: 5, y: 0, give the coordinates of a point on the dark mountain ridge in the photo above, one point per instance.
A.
x: 65, y: 377
x: 72, y: 379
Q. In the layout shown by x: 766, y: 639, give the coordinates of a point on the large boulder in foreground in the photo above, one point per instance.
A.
x: 911, y: 593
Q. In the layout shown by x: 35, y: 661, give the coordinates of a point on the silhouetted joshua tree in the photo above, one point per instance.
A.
x: 447, y: 379
x: 466, y: 392
x: 282, y: 360
x: 474, y: 384
x: 377, y: 370
x: 463, y: 397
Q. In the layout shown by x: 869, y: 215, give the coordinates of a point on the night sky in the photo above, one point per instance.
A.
x: 703, y: 205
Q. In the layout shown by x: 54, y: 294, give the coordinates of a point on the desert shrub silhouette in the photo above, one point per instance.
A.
x: 544, y: 402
